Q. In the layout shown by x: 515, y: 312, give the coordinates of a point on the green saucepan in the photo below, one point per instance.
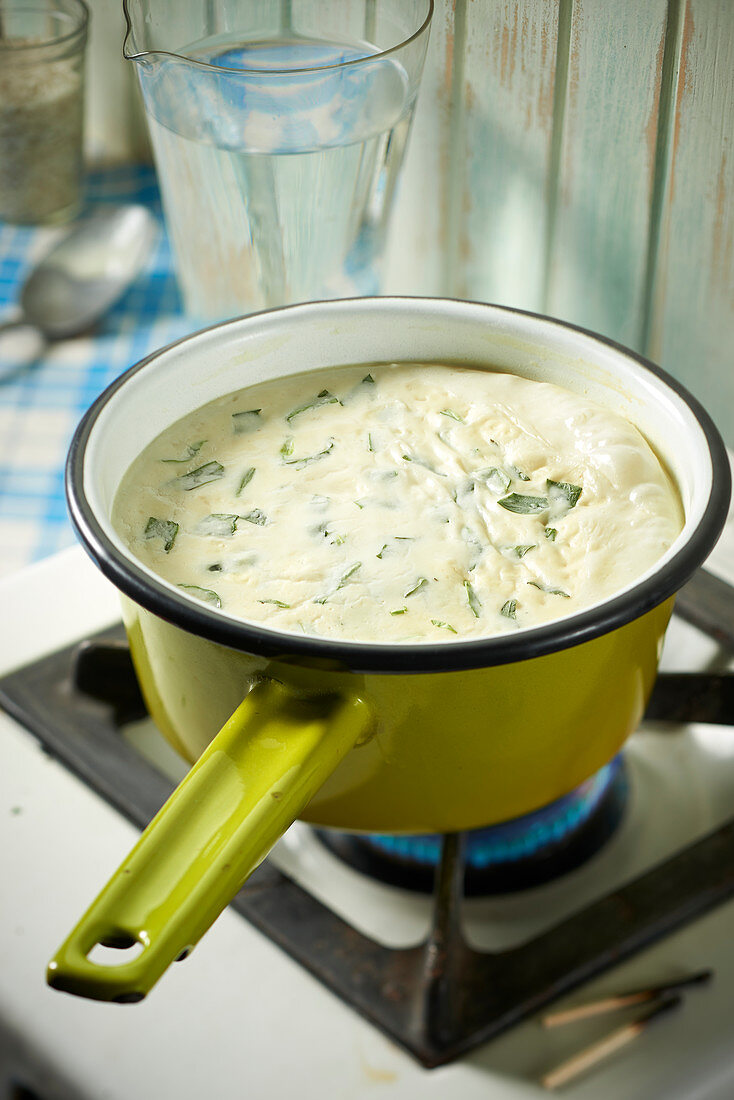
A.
x: 353, y: 736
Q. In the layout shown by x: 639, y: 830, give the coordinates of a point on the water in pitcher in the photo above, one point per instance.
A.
x: 277, y: 183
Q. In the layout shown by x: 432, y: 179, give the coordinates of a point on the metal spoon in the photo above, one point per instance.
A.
x: 84, y: 274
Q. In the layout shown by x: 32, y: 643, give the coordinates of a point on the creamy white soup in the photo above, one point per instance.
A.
x: 399, y: 503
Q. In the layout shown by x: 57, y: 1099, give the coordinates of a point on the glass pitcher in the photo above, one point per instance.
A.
x: 278, y: 129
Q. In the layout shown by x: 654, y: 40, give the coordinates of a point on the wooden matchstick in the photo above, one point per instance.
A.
x: 593, y: 1054
x: 622, y: 1000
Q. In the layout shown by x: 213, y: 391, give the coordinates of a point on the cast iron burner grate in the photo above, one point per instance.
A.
x: 442, y: 998
x: 499, y: 859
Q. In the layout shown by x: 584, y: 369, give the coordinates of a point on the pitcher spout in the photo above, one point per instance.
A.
x: 154, y: 30
x: 130, y: 43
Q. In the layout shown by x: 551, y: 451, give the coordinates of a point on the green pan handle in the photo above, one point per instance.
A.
x: 250, y: 784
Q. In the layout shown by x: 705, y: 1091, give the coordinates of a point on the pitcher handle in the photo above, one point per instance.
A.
x: 247, y: 788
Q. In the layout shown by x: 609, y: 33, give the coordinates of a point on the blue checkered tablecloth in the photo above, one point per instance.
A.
x: 40, y: 406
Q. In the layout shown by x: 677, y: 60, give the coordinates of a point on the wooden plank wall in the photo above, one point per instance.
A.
x: 691, y: 319
x: 577, y: 157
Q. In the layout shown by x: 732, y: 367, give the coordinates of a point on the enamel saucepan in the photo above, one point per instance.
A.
x: 415, y: 738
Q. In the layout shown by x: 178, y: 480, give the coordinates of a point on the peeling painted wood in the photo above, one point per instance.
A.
x: 692, y: 307
x: 577, y: 157
x: 503, y: 177
x: 598, y: 248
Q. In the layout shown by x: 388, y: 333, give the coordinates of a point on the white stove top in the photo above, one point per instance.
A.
x: 239, y: 1018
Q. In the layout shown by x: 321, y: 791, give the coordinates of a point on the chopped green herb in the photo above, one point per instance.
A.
x: 217, y: 525
x: 518, y: 473
x: 446, y: 626
x: 523, y: 505
x: 349, y: 573
x: 454, y: 416
x: 475, y: 545
x: 276, y: 603
x: 390, y: 549
x: 164, y: 529
x: 370, y: 444
x: 368, y: 380
x: 495, y: 478
x: 509, y: 609
x: 422, y: 462
x: 215, y: 567
x: 549, y: 589
x: 343, y: 581
x: 191, y: 450
x: 521, y: 551
x: 247, y: 421
x: 562, y: 496
x: 256, y: 516
x: 246, y: 479
x: 287, y: 447
x: 205, y: 594
x: 474, y: 601
x: 359, y: 504
x: 338, y: 540
x: 323, y: 398
x: 550, y: 534
x: 420, y: 583
x: 202, y: 475
x: 308, y: 459
x: 400, y: 611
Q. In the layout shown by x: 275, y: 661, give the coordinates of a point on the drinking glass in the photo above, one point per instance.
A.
x: 278, y: 130
x: 42, y: 46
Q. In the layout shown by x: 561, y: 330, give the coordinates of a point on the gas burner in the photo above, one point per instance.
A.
x: 514, y: 855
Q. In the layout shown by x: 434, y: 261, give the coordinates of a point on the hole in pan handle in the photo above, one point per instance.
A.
x: 249, y: 785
